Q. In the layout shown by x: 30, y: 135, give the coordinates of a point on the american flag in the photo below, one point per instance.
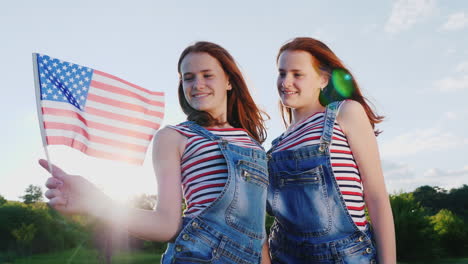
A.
x: 94, y: 112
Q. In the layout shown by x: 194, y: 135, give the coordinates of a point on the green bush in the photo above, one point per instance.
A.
x: 413, y: 230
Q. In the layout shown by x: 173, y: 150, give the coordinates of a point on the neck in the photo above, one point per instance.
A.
x: 221, y: 119
x: 302, y: 113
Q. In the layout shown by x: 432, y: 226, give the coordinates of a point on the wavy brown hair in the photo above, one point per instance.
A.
x: 242, y: 112
x: 326, y: 61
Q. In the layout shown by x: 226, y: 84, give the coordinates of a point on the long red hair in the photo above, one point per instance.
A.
x: 326, y: 61
x: 242, y: 112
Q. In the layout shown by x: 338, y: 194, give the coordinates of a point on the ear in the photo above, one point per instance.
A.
x: 324, y: 78
x: 229, y: 87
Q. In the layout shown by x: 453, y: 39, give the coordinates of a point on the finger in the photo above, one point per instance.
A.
x: 56, y: 171
x: 58, y: 202
x: 52, y: 193
x: 53, y: 183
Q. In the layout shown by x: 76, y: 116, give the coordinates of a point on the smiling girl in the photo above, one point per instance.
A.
x: 325, y: 168
x: 214, y: 162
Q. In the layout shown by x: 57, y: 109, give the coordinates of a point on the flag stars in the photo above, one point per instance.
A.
x: 55, y: 97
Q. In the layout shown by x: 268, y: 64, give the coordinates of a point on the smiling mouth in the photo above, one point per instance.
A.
x: 200, y: 95
x: 288, y: 92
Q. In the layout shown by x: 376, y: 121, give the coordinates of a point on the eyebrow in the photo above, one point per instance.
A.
x: 293, y: 70
x: 204, y: 71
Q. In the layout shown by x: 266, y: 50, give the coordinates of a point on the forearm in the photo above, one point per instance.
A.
x: 384, y: 231
x: 265, y: 253
x: 154, y: 225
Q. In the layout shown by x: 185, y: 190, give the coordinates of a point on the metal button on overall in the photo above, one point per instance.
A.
x: 178, y: 248
x: 185, y: 237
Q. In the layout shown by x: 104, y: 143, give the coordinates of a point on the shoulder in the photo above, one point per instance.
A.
x: 168, y: 138
x: 351, y: 115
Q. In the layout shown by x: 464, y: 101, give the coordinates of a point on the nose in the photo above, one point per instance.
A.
x: 286, y: 82
x: 198, y: 83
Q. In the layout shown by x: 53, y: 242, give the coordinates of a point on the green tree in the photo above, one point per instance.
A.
x: 413, y: 229
x: 33, y: 194
x: 24, y: 236
x: 452, y: 232
x: 2, y: 200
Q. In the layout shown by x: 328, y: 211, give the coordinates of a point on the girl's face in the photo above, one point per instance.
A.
x: 205, y: 83
x: 299, y: 83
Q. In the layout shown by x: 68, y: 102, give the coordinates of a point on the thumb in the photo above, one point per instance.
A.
x: 56, y: 171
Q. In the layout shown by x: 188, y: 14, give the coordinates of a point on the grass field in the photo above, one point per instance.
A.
x: 82, y: 255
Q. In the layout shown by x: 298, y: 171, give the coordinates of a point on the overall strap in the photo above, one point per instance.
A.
x: 200, y: 130
x: 328, y: 123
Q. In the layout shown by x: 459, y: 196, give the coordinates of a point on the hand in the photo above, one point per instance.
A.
x: 70, y: 194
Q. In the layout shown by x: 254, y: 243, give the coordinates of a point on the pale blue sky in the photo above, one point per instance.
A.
x: 410, y: 57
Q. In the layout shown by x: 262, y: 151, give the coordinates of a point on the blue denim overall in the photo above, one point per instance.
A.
x: 232, y: 228
x: 312, y: 224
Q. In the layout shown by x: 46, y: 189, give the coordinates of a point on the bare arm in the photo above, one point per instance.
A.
x: 265, y: 253
x: 362, y: 141
x: 71, y: 194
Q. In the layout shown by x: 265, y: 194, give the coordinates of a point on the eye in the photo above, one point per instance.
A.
x: 208, y: 75
x: 188, y: 78
x: 281, y: 74
x: 298, y: 74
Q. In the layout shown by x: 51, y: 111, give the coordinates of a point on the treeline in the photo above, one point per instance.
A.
x: 32, y: 227
x: 430, y: 224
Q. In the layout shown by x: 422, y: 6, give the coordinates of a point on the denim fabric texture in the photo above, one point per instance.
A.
x: 232, y: 228
x: 312, y: 223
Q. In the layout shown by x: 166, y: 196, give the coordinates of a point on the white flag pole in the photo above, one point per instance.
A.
x: 37, y: 86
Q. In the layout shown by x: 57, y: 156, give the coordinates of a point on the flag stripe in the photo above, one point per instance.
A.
x: 55, y: 133
x: 90, y: 151
x: 123, y: 118
x: 92, y: 138
x: 124, y: 99
x: 128, y: 106
x: 114, y: 79
x: 123, y: 112
x: 125, y: 92
x: 92, y: 131
x: 95, y: 125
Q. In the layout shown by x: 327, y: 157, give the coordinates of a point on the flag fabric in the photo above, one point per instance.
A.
x: 94, y: 112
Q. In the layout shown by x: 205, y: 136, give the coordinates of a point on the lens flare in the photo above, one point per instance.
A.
x: 340, y: 87
x: 342, y: 82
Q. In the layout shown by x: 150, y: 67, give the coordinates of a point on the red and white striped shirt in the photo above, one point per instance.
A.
x: 345, y: 169
x: 203, y: 167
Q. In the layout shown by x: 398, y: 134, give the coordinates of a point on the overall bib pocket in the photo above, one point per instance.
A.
x: 301, y: 202
x: 251, y: 185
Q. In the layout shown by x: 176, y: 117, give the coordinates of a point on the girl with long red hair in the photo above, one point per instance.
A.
x: 325, y: 168
x: 213, y: 161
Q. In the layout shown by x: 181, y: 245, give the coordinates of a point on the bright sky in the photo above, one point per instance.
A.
x: 409, y: 56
